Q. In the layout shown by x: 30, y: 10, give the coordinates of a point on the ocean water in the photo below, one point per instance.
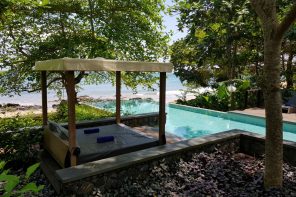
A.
x: 173, y: 88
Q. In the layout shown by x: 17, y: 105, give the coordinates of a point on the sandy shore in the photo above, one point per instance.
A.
x: 9, y: 114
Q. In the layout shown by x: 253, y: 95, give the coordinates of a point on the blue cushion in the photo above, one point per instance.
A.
x: 90, y: 131
x: 105, y: 139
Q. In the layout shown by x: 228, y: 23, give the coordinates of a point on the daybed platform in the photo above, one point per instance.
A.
x: 126, y: 140
x: 72, y: 146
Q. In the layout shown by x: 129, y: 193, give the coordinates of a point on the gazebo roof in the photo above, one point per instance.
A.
x: 101, y: 64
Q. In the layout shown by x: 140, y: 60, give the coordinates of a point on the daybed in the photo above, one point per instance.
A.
x: 70, y: 145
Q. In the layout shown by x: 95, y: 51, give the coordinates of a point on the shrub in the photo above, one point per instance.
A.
x: 221, y: 99
x: 12, y: 182
x: 20, y: 146
x: 19, y: 142
x: 17, y: 122
x: 83, y: 112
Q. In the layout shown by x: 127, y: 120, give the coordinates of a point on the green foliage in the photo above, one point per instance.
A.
x: 20, y: 146
x: 31, y: 170
x: 83, y: 112
x: 223, y: 41
x: 19, y: 142
x: 38, y: 30
x: 11, y: 182
x: 222, y: 99
x: 12, y: 124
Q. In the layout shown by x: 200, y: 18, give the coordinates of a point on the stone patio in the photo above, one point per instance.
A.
x: 261, y: 113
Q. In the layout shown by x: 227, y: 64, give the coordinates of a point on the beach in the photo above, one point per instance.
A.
x: 31, y: 102
x: 101, y: 91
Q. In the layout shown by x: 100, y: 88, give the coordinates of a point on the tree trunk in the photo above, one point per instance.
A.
x: 273, y: 174
x: 273, y: 35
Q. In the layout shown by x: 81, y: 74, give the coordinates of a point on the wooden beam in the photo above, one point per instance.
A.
x: 118, y: 96
x: 162, y: 114
x: 70, y: 87
x: 44, y: 97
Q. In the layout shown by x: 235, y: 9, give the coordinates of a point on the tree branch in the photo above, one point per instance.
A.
x: 80, y: 77
x: 47, y: 85
x: 258, y: 6
x: 288, y: 20
x: 20, y: 48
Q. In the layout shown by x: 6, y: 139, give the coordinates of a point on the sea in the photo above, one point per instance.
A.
x: 174, y: 87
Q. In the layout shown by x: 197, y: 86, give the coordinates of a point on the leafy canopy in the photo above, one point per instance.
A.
x: 38, y: 30
x: 223, y: 37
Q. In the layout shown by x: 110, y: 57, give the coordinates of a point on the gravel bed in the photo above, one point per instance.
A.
x: 205, y: 174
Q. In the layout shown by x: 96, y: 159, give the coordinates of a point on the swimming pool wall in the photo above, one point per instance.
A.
x: 244, y: 118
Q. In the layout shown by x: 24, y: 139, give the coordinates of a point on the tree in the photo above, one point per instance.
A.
x: 288, y: 55
x: 221, y: 34
x: 273, y: 33
x: 122, y: 29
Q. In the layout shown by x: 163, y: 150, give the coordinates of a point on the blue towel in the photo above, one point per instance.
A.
x: 90, y: 131
x: 105, y: 139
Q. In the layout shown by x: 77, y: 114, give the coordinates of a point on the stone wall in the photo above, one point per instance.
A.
x: 254, y: 144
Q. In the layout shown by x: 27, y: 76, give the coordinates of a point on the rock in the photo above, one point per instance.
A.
x: 12, y: 105
x: 217, y: 173
x: 55, y: 106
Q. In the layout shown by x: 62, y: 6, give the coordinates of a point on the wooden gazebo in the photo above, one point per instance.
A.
x: 70, y: 65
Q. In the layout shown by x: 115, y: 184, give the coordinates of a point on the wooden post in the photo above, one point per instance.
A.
x: 44, y: 97
x: 258, y: 99
x: 246, y: 98
x: 70, y: 87
x: 118, y: 95
x: 162, y: 114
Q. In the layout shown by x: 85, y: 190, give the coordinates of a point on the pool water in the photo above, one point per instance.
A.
x: 128, y: 107
x: 188, y: 122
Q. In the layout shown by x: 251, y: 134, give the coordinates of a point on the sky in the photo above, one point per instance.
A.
x: 170, y: 22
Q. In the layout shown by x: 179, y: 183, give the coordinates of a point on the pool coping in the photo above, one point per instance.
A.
x: 284, y: 121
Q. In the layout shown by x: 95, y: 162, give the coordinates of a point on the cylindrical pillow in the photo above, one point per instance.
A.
x: 105, y: 139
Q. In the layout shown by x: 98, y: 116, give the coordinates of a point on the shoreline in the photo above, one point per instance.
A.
x: 9, y: 110
x: 100, y: 91
x: 35, y: 99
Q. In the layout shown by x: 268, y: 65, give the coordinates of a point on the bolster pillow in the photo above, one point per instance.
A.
x: 105, y: 139
x: 90, y: 131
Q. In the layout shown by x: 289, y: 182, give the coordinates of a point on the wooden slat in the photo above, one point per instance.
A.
x: 162, y: 114
x: 70, y: 87
x: 44, y: 97
x: 118, y: 96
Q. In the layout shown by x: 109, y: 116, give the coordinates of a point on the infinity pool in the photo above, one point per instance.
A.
x: 190, y: 122
x: 128, y: 107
